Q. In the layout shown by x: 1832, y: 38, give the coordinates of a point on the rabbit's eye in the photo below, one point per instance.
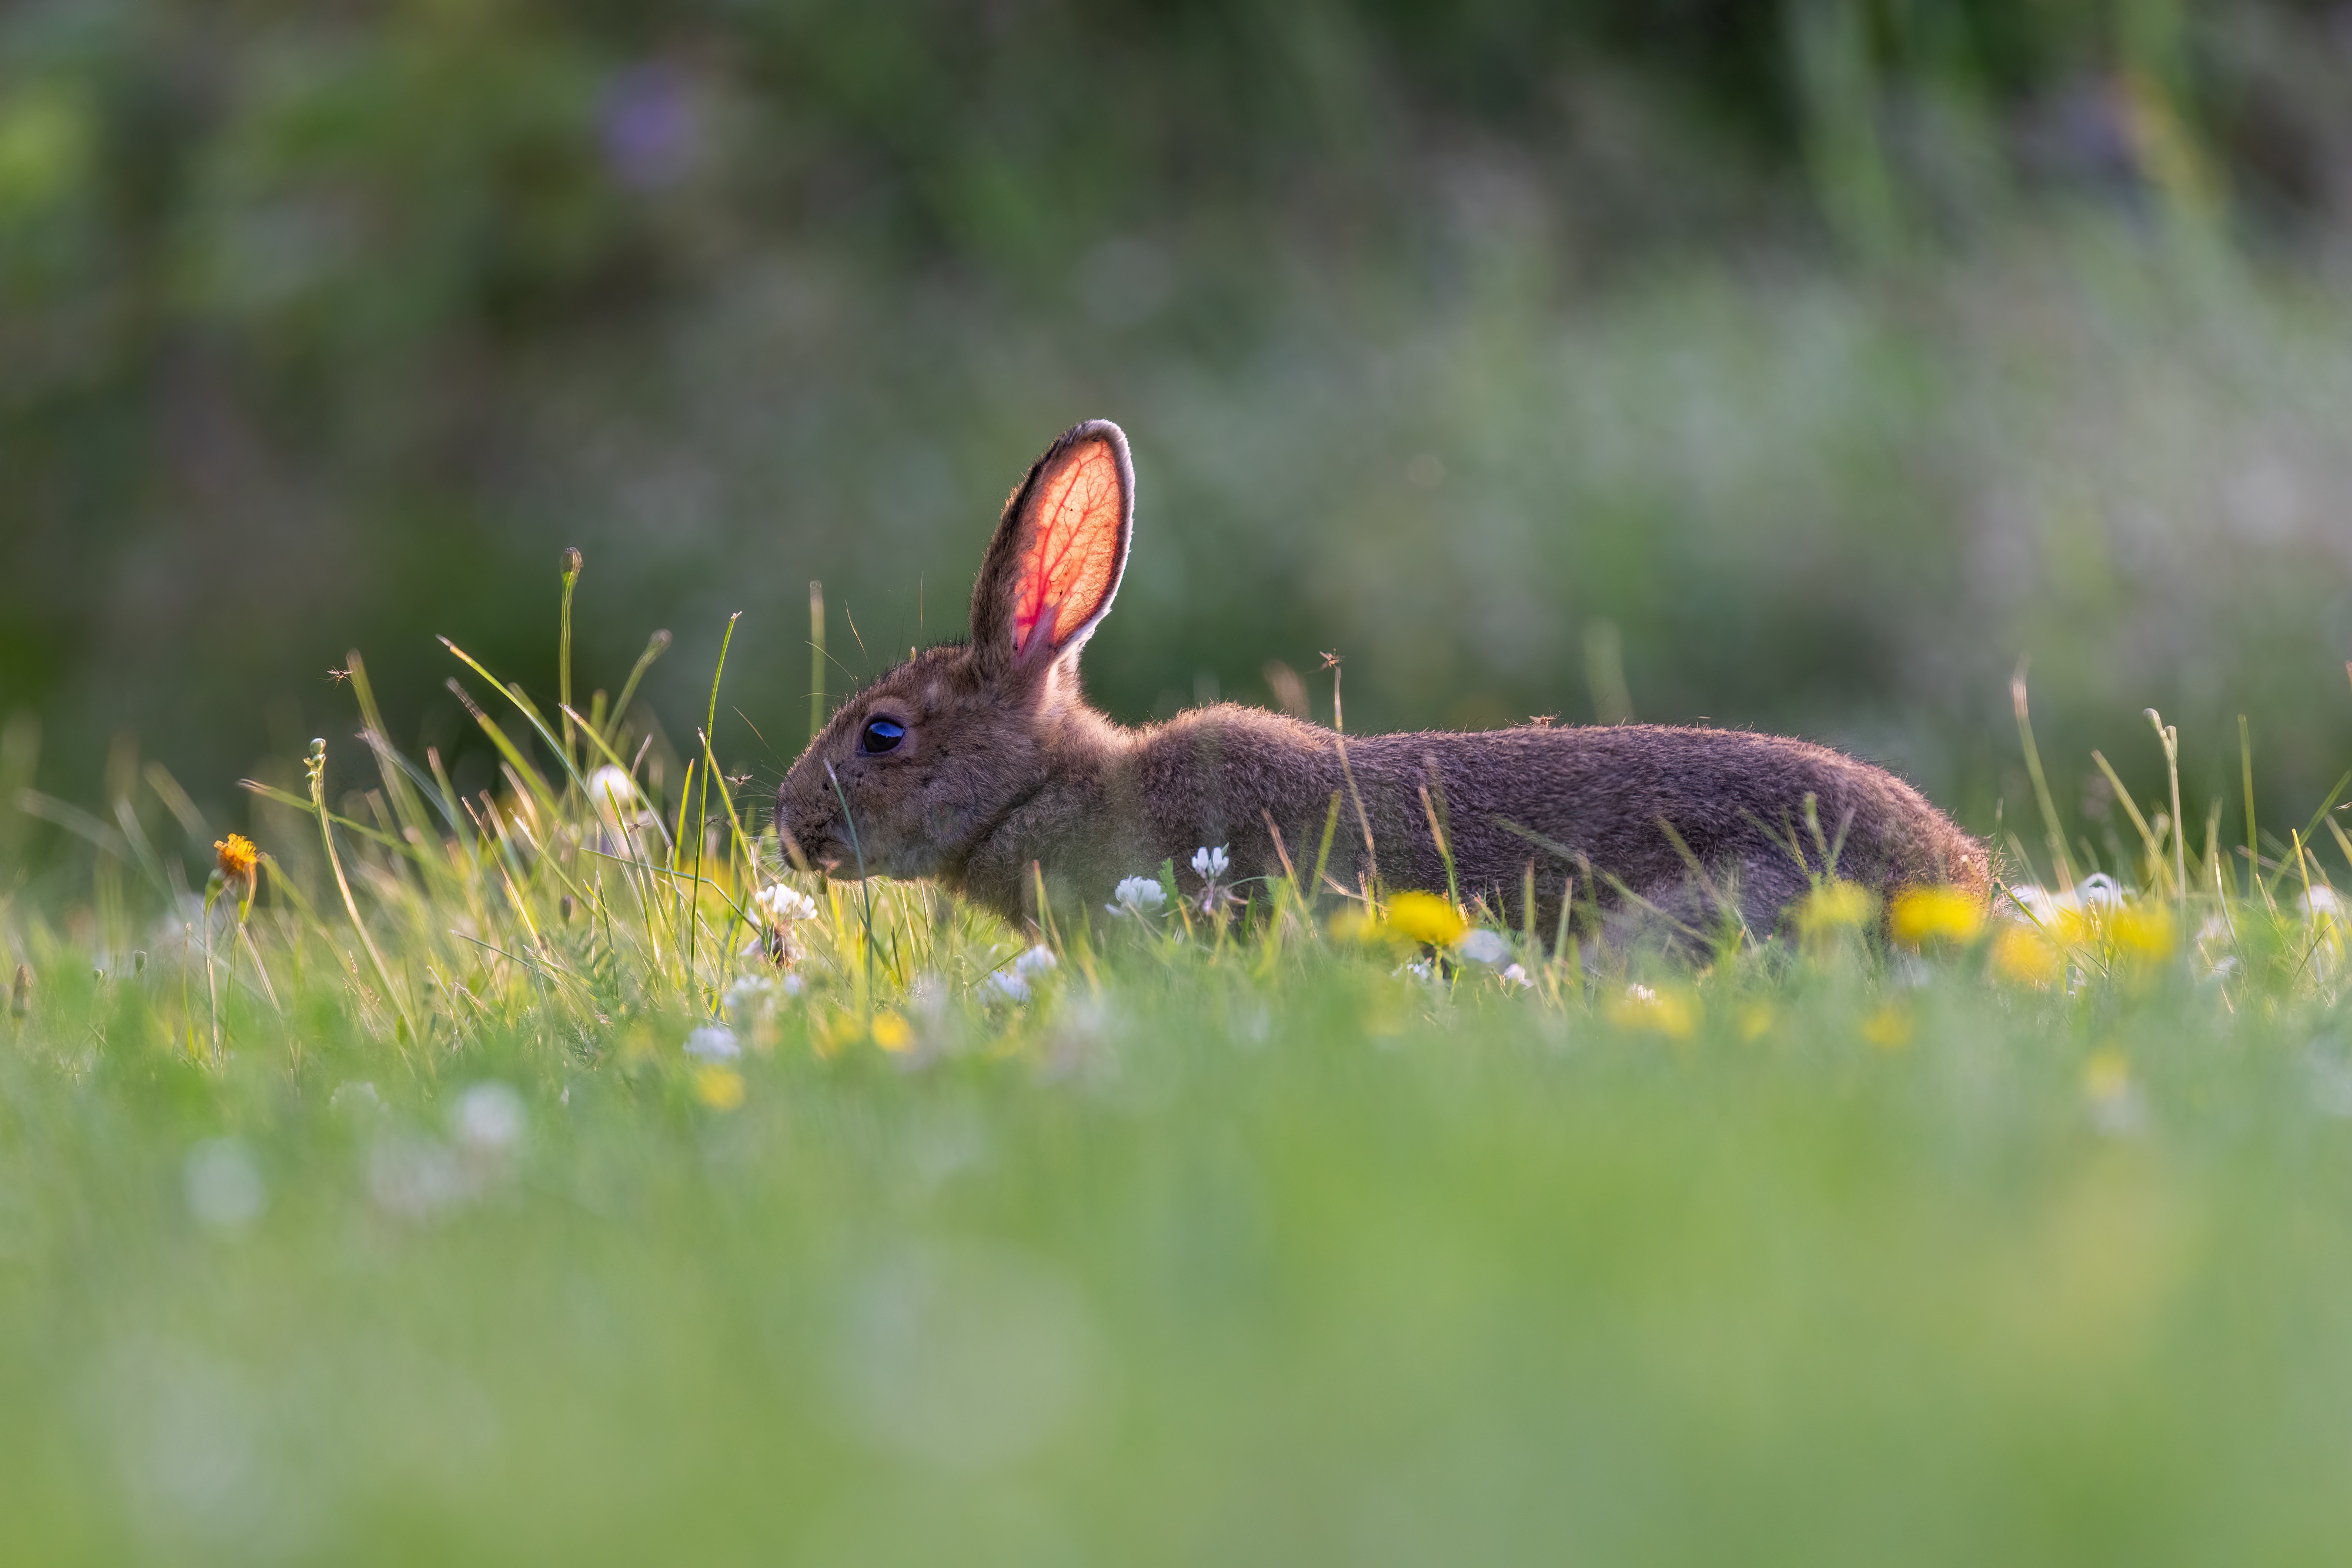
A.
x: 881, y: 734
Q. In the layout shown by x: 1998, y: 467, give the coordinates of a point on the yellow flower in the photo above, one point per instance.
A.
x: 1945, y: 912
x: 720, y: 1088
x: 2025, y: 955
x: 1353, y: 924
x: 2105, y: 1074
x: 1835, y: 905
x: 1673, y: 1013
x: 1426, y: 917
x: 237, y: 858
x: 891, y: 1032
x: 826, y: 1036
x: 2143, y: 932
x: 1889, y: 1028
x: 1756, y: 1020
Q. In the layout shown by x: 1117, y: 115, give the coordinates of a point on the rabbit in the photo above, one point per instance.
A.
x: 982, y: 766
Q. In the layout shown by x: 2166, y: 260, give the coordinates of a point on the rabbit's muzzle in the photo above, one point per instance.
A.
x: 815, y: 831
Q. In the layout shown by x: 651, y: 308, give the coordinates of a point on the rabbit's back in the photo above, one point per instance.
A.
x: 1617, y: 807
x: 1636, y: 804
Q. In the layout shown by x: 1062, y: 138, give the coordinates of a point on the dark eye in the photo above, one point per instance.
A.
x: 881, y: 734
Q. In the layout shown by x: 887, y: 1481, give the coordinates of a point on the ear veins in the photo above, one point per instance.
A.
x: 1072, y: 554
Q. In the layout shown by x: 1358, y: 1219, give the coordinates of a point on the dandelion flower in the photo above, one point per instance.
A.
x: 1889, y: 1028
x: 1675, y: 1014
x: 1833, y: 906
x: 719, y: 1087
x: 2026, y: 956
x: 2143, y: 933
x: 238, y: 861
x: 2105, y: 1073
x: 2117, y: 1107
x: 1945, y: 914
x: 1426, y: 917
x: 892, y: 1033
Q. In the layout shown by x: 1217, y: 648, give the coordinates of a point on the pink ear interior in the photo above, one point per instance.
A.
x: 1070, y: 562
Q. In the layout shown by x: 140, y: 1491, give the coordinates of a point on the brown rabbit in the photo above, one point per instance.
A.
x: 984, y: 766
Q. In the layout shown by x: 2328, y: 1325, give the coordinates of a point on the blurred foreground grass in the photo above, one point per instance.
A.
x: 479, y: 1195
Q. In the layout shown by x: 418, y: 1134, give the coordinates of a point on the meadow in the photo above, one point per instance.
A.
x: 473, y: 1140
x: 554, y: 1174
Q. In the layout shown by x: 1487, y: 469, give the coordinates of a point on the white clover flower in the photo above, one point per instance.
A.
x: 713, y: 1042
x: 2322, y: 904
x: 1421, y: 969
x: 2098, y: 890
x: 223, y: 1184
x: 784, y: 905
x: 1137, y: 896
x: 794, y: 986
x: 489, y: 1118
x: 1483, y: 946
x: 2213, y: 959
x: 1209, y: 863
x: 354, y: 1098
x: 748, y: 996
x: 613, y: 792
x: 1007, y: 985
x: 2033, y: 903
x: 1038, y: 960
x: 1638, y: 992
x: 1513, y: 974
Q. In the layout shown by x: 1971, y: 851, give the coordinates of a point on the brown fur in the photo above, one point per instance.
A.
x: 1004, y: 767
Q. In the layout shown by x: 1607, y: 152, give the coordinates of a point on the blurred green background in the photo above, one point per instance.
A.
x: 1799, y: 365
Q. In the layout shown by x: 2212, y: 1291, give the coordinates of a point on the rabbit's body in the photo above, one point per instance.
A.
x: 982, y: 766
x: 1560, y: 804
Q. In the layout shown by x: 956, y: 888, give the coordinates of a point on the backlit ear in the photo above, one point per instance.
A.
x: 1059, y: 551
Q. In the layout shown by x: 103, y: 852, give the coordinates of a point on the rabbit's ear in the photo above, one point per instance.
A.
x: 1059, y: 551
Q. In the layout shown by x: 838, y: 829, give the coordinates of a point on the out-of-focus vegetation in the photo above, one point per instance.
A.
x: 1800, y: 365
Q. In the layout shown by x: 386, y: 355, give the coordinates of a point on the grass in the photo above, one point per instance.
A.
x: 390, y: 1218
